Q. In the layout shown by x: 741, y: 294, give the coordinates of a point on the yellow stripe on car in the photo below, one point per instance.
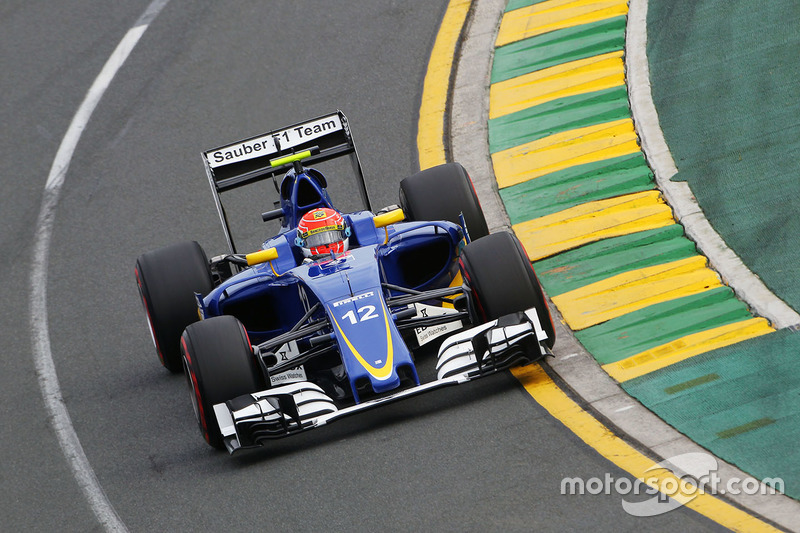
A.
x: 383, y: 372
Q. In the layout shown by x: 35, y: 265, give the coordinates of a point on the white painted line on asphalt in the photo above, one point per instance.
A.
x: 730, y: 267
x: 43, y: 356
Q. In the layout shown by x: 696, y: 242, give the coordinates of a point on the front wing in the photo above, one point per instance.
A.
x: 250, y: 420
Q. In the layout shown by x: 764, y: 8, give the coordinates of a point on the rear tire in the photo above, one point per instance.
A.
x: 502, y: 280
x: 442, y: 193
x: 167, y: 280
x: 219, y: 365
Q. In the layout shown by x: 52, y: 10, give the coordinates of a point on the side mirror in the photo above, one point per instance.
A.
x: 391, y: 217
x: 262, y: 256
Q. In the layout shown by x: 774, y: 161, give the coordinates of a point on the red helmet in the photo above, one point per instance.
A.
x: 322, y: 231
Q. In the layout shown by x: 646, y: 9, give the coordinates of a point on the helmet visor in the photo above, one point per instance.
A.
x: 324, y: 238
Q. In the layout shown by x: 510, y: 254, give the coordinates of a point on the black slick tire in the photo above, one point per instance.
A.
x: 167, y: 279
x: 499, y: 273
x: 219, y: 365
x: 442, y: 193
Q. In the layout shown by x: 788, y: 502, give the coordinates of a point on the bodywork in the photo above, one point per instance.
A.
x: 337, y: 335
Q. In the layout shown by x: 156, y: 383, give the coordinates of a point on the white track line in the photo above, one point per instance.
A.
x: 45, y: 366
x: 734, y: 272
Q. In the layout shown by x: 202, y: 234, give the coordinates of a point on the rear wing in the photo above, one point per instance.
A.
x: 257, y: 158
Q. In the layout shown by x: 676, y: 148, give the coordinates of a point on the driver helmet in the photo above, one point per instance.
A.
x: 322, y: 231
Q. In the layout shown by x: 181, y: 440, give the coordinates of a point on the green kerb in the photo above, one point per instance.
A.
x: 576, y: 185
x: 517, y: 4
x: 558, y: 47
x: 557, y: 116
x: 662, y: 323
x: 601, y: 260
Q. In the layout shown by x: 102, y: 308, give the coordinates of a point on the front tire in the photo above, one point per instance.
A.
x: 502, y: 280
x: 167, y: 280
x: 442, y: 193
x: 219, y: 365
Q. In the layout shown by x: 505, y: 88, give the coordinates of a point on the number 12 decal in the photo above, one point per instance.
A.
x: 365, y: 313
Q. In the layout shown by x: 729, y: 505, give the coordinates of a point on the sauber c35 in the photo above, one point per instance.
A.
x: 280, y: 341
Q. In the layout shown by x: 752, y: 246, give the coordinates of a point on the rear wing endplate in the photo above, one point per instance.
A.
x: 250, y: 160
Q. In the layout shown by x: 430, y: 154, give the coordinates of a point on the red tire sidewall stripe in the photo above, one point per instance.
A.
x: 246, y: 335
x: 196, y: 388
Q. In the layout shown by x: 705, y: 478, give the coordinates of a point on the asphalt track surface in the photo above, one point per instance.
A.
x: 480, y: 457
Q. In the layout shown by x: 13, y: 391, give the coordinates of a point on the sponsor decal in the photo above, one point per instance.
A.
x: 242, y: 151
x: 285, y: 353
x: 267, y: 145
x: 290, y: 376
x: 309, y: 131
x: 353, y: 299
x: 427, y: 334
x: 332, y: 227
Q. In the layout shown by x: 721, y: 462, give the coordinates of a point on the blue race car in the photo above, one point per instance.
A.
x: 324, y: 321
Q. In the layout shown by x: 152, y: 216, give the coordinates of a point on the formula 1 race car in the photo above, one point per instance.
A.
x: 325, y: 320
